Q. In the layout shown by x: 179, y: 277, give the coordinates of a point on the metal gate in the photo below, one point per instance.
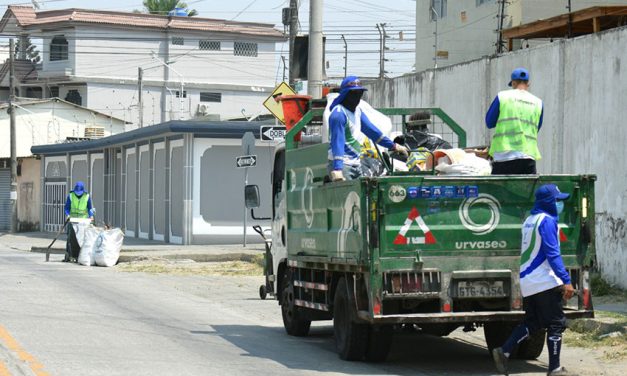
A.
x: 54, y: 203
x: 5, y: 202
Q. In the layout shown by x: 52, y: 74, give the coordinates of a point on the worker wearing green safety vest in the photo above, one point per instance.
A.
x: 516, y: 116
x: 77, y: 205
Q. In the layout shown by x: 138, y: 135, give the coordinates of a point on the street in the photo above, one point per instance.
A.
x: 65, y: 319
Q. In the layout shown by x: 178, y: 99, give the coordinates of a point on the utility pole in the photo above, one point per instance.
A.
x: 140, y: 89
x: 435, y: 35
x: 13, y: 193
x: 499, y: 42
x: 345, y: 56
x: 570, y: 20
x: 293, y: 34
x: 382, y: 37
x: 314, y: 66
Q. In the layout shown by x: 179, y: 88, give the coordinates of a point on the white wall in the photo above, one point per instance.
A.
x: 48, y: 123
x: 583, y: 83
x: 121, y: 101
x: 125, y: 51
x: 475, y: 36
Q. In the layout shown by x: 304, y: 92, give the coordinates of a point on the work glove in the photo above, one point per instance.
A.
x: 337, y: 175
x: 398, y: 148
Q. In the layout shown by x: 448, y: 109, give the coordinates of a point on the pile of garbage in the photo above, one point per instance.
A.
x: 98, y: 246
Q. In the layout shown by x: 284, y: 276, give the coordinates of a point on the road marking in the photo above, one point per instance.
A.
x: 30, y: 360
x: 4, y: 371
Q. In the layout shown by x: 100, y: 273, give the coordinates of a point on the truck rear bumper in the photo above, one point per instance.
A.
x: 460, y: 317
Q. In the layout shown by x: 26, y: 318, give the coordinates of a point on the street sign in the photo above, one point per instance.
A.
x: 275, y: 106
x: 273, y: 132
x: 246, y: 161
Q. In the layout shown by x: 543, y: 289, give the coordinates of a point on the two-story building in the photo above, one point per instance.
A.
x: 468, y: 29
x: 94, y: 58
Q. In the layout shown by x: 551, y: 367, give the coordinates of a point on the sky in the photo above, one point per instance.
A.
x: 355, y: 19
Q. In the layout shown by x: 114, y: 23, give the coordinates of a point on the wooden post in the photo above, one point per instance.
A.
x: 510, y: 44
x: 596, y: 25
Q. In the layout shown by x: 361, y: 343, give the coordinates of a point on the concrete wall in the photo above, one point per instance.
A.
x: 28, y: 194
x: 583, y: 83
x: 468, y: 30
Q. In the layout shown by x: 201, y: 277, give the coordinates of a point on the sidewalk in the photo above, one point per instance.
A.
x: 137, y: 249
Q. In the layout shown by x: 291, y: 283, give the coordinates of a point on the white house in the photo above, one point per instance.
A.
x: 93, y: 58
x: 467, y: 29
x: 39, y: 122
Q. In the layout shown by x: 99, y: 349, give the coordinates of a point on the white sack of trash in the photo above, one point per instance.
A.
x: 101, y: 247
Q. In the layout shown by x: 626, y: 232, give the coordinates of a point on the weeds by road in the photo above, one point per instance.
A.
x: 606, y: 331
x: 188, y: 267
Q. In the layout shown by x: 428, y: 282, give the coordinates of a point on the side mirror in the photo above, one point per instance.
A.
x: 251, y: 196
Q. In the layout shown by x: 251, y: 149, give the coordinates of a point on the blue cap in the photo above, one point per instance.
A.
x: 550, y: 191
x: 348, y: 84
x: 79, y: 188
x: 519, y: 74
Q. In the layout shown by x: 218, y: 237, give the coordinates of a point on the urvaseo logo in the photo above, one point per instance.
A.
x: 494, y: 244
x: 482, y: 199
x: 397, y: 193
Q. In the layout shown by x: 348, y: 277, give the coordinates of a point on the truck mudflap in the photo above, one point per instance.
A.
x: 460, y: 317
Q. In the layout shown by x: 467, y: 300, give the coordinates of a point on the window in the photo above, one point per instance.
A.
x: 178, y: 41
x: 58, y: 48
x: 178, y: 94
x: 211, y: 97
x: 73, y: 96
x: 438, y: 9
x: 245, y: 49
x: 54, y: 92
x: 481, y: 2
x: 209, y: 45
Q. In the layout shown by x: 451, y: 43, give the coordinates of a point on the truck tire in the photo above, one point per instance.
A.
x: 531, y: 348
x: 293, y: 321
x: 496, y: 333
x: 351, y: 338
x: 379, y: 343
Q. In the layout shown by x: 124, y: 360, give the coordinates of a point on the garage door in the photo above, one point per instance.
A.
x: 5, y: 203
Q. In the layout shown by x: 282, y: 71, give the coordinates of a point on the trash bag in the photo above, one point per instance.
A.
x: 108, y: 246
x: 469, y: 165
x: 417, y: 139
x: 371, y: 167
x: 86, y: 256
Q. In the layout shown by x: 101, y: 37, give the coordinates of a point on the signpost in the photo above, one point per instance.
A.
x: 272, y: 132
x: 246, y: 161
x: 275, y: 106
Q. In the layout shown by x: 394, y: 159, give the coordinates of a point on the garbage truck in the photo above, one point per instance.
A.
x: 409, y: 250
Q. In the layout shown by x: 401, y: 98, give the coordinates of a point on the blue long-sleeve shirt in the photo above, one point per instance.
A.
x: 68, y: 205
x: 339, y: 148
x: 492, y: 116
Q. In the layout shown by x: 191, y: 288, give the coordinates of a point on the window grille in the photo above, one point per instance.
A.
x: 245, y: 49
x: 209, y: 45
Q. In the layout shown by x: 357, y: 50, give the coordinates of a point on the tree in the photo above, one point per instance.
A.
x: 31, y: 50
x: 164, y: 6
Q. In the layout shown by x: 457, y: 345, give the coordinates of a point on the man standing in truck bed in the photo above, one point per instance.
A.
x: 516, y: 117
x: 544, y: 281
x: 348, y: 128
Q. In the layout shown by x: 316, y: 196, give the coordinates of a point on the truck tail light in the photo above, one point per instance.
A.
x: 517, y: 304
x: 376, y: 309
x: 446, y: 307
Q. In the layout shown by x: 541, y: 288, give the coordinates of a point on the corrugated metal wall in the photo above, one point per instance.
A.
x: 583, y: 83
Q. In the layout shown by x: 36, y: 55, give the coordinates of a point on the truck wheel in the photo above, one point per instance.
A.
x: 496, y: 333
x: 262, y: 292
x: 294, y: 323
x: 379, y: 343
x: 351, y: 338
x: 531, y: 348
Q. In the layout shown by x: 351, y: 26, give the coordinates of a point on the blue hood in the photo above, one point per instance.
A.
x: 545, y: 205
x: 348, y: 84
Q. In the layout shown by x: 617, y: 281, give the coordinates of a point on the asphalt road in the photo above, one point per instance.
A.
x: 65, y: 319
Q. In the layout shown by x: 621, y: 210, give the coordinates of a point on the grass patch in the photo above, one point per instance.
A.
x: 616, y: 347
x: 601, y: 287
x: 225, y: 268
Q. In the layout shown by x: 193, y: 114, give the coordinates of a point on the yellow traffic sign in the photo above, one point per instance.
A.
x: 273, y: 105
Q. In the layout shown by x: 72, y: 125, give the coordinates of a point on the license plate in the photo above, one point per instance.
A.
x: 480, y: 289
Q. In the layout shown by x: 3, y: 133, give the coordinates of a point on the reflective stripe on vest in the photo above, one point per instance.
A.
x: 517, y: 126
x: 78, y: 205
